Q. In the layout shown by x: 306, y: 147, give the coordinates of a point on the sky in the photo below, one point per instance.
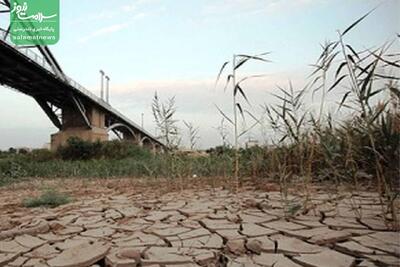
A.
x: 177, y: 47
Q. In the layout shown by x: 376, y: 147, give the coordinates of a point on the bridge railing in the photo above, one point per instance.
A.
x: 27, y: 52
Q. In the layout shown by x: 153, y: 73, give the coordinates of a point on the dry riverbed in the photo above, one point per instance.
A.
x: 129, y: 222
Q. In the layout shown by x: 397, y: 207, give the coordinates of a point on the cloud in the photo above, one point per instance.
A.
x: 196, y: 101
x: 236, y: 7
x: 131, y: 13
x: 129, y: 8
x: 104, y: 31
x: 135, y: 10
x: 200, y: 96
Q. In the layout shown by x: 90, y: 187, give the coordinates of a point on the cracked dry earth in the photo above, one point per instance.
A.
x: 208, y: 227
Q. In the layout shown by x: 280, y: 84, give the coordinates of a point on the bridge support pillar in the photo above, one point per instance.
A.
x: 92, y: 135
x: 90, y: 127
x: 139, y: 140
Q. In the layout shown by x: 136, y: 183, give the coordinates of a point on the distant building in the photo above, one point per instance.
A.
x: 251, y: 143
x: 192, y: 153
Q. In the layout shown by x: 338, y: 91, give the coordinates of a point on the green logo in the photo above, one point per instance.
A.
x: 35, y: 22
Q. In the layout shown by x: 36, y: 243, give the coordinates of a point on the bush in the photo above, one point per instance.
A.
x: 41, y: 155
x: 78, y: 149
x: 11, y: 169
x: 118, y: 150
x: 49, y: 198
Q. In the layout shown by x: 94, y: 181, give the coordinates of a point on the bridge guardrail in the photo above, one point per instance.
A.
x: 27, y: 52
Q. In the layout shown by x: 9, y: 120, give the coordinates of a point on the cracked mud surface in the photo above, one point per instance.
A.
x: 198, y: 227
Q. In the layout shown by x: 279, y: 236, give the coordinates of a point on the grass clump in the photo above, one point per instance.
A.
x: 77, y: 149
x: 49, y: 198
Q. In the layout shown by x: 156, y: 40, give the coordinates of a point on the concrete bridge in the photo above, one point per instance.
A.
x: 74, y: 110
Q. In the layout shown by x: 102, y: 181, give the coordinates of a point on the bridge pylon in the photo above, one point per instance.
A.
x: 89, y: 126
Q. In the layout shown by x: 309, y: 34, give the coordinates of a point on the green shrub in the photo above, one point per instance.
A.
x: 49, y: 198
x: 118, y: 150
x: 11, y: 168
x: 41, y: 155
x: 78, y: 149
